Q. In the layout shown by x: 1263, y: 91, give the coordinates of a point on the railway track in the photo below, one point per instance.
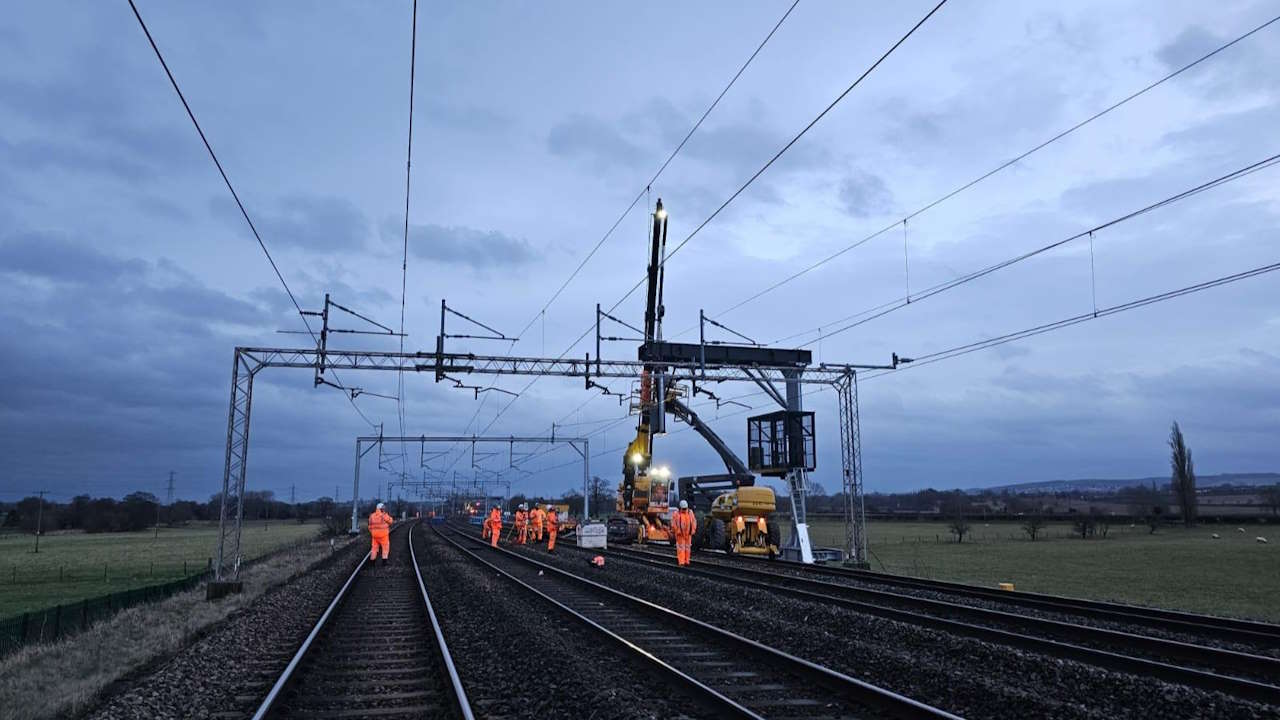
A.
x: 711, y: 665
x: 1209, y: 627
x: 1251, y: 677
x: 376, y: 652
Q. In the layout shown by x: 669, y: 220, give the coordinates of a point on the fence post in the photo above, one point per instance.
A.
x: 57, y: 622
x: 104, y: 572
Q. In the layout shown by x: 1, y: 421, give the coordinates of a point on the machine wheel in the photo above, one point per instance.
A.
x: 773, y: 537
x: 716, y: 538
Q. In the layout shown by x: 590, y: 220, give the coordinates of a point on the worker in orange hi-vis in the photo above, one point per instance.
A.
x: 684, y: 525
x: 380, y: 531
x: 536, y: 518
x: 495, y: 525
x: 553, y: 528
x: 522, y: 525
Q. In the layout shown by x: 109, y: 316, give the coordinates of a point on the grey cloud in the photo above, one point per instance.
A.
x: 311, y: 222
x: 593, y: 140
x: 55, y: 258
x: 468, y: 246
x: 864, y: 194
x: 1243, y: 67
x: 34, y: 155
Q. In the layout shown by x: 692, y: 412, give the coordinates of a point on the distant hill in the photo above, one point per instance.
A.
x: 1105, y: 485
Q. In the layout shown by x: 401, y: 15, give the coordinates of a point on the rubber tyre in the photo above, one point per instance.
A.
x: 773, y: 537
x: 717, y: 539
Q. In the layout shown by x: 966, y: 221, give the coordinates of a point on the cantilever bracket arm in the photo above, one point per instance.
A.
x: 766, y: 385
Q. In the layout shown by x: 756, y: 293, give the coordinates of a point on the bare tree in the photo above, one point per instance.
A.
x: 601, y: 496
x: 959, y: 527
x: 1084, y: 524
x: 1184, y: 475
x: 1271, y: 498
x: 1032, y: 525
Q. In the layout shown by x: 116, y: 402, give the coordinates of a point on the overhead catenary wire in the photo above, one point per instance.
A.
x: 234, y: 195
x: 769, y: 163
x: 643, y: 191
x: 994, y: 171
x: 866, y: 316
x: 627, y: 211
x: 965, y: 349
x: 408, y: 176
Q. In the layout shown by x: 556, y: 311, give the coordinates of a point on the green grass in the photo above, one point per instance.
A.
x: 1175, y: 568
x: 72, y: 566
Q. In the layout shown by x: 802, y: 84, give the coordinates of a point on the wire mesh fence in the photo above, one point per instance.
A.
x: 52, y: 623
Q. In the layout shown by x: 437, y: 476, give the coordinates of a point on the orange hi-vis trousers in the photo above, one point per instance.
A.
x: 494, y: 531
x: 684, y: 549
x: 380, y: 540
x: 551, y: 537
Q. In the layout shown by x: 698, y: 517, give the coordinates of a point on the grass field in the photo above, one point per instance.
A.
x: 1175, y: 568
x: 73, y: 566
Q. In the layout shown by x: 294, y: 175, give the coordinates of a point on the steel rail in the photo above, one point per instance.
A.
x: 455, y: 682
x: 268, y: 703
x: 1217, y: 627
x: 714, y: 700
x: 851, y: 689
x: 1203, y: 679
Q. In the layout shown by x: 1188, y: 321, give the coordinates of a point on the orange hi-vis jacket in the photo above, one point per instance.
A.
x: 551, y: 521
x: 684, y: 523
x: 537, y: 515
x: 380, y: 523
x: 495, y: 519
x: 522, y: 519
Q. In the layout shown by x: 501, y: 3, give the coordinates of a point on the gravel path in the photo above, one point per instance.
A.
x: 226, y: 673
x: 518, y: 658
x: 965, y: 676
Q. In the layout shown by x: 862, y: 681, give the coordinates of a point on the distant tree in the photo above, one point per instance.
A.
x: 1032, y: 525
x: 1146, y: 504
x: 816, y: 489
x: 1153, y: 520
x: 1271, y: 498
x: 1084, y: 525
x: 959, y: 527
x: 1184, y: 475
x: 1101, y: 522
x: 137, y: 511
x: 601, y: 496
x: 573, y: 498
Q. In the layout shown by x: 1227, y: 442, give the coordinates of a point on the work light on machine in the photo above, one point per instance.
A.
x: 663, y: 472
x: 636, y: 458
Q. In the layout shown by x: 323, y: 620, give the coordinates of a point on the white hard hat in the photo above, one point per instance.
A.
x: 684, y: 504
x: 380, y: 506
x: 549, y: 506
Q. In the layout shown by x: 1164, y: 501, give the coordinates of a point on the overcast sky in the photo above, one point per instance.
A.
x: 127, y: 276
